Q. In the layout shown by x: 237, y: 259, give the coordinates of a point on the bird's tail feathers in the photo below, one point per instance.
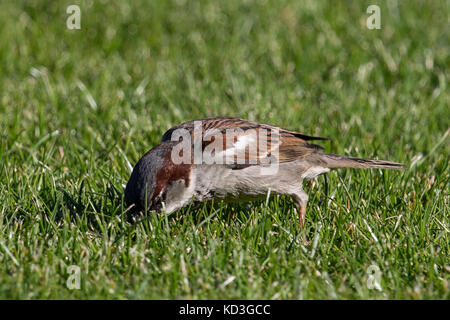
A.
x: 335, y: 161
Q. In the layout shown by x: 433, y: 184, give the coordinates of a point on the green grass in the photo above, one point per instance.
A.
x: 77, y: 105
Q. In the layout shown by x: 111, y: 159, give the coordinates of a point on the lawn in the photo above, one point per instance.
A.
x: 78, y: 108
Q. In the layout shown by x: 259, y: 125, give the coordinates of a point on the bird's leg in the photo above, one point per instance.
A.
x: 301, y: 215
x: 301, y: 200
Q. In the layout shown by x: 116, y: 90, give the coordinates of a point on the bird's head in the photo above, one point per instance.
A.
x: 152, y: 177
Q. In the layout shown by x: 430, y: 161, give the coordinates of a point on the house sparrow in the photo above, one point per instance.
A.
x: 233, y: 160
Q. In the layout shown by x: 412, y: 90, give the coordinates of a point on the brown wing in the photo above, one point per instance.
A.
x: 230, y: 122
x: 244, y: 143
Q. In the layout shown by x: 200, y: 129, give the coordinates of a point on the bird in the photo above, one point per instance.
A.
x: 232, y: 160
